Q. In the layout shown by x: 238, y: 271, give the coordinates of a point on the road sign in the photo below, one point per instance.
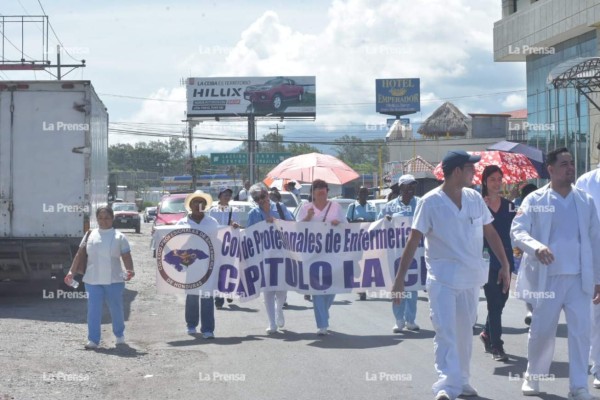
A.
x: 271, y: 158
x: 229, y: 158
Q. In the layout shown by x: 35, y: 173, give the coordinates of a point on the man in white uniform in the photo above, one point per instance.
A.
x: 453, y: 219
x: 590, y: 183
x: 557, y: 227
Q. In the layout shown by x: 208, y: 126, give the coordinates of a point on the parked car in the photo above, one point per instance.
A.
x: 290, y: 201
x: 241, y: 216
x: 274, y: 93
x: 170, y: 210
x: 149, y: 214
x: 126, y: 216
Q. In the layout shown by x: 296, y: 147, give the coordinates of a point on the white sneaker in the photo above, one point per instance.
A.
x: 90, y: 345
x: 399, y: 326
x: 120, y: 340
x: 191, y: 331
x: 530, y: 387
x: 468, y: 391
x: 271, y: 330
x: 208, y: 335
x: 412, y: 326
x: 581, y: 394
x: 322, y: 332
x: 596, y: 382
x: 280, y: 319
x: 442, y: 395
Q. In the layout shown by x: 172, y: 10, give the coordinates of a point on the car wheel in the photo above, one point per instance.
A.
x: 137, y: 229
x: 277, y: 102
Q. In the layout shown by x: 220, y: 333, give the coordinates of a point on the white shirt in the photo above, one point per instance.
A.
x: 564, y: 239
x: 104, y: 249
x: 243, y: 195
x: 453, y: 237
x: 208, y: 224
x: 221, y: 214
x: 590, y: 182
x: 335, y: 212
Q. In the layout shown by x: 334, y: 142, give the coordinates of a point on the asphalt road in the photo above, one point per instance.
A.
x: 42, y: 333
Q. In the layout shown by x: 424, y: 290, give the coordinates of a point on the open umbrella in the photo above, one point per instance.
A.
x: 515, y: 167
x: 536, y: 156
x: 308, y: 167
x: 280, y: 184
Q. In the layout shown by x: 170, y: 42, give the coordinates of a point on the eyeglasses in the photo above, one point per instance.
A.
x: 260, y: 197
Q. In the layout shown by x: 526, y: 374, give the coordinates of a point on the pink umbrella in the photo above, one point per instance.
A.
x: 515, y: 167
x: 308, y: 167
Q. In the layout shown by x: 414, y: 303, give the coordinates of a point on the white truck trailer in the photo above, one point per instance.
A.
x: 53, y: 174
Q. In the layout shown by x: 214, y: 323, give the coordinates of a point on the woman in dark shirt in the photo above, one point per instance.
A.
x: 503, y: 212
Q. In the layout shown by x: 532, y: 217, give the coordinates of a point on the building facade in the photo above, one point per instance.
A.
x: 544, y: 34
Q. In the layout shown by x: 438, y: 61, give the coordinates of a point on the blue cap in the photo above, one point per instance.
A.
x: 458, y: 158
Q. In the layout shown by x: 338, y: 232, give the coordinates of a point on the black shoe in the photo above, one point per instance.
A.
x: 285, y: 305
x: 362, y: 296
x: 499, y: 354
x: 485, y: 339
x: 307, y: 297
x: 229, y: 300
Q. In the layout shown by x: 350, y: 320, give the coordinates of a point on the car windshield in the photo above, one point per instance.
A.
x: 289, y: 200
x: 172, y: 206
x: 124, y: 207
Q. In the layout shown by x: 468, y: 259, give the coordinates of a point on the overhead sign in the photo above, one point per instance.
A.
x: 229, y: 158
x: 271, y: 158
x: 397, y: 96
x: 259, y: 96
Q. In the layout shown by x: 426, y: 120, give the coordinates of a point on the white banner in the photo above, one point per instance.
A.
x: 307, y: 257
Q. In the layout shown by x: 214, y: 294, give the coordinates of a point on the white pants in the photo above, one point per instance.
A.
x: 453, y: 313
x: 563, y: 292
x: 274, y: 302
x: 595, y: 340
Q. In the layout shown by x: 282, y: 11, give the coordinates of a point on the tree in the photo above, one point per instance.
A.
x: 301, y: 148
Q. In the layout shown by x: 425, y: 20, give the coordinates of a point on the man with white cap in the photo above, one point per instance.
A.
x: 453, y: 219
x: 196, y: 203
x: 557, y: 228
x: 225, y: 216
x: 404, y: 205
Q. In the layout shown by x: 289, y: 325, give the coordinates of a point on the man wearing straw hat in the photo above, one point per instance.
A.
x: 197, y: 308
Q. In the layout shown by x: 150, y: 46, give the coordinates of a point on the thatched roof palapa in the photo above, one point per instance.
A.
x: 446, y: 120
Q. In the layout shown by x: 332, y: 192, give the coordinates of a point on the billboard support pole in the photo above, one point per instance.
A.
x: 251, y: 148
x: 192, y: 160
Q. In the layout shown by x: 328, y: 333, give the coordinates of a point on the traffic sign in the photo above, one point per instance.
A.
x: 229, y: 158
x: 271, y: 158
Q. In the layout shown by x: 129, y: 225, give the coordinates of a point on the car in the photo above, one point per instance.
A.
x: 274, y: 93
x: 126, y: 216
x: 149, y: 214
x: 243, y: 207
x: 170, y: 210
x: 289, y: 200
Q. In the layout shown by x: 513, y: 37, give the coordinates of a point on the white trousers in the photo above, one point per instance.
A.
x: 453, y: 313
x: 595, y: 340
x: 274, y: 303
x: 563, y: 292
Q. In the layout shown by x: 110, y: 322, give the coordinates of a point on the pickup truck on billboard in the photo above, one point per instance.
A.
x: 259, y: 96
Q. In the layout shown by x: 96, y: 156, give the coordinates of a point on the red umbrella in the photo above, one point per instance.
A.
x: 308, y: 167
x: 515, y: 167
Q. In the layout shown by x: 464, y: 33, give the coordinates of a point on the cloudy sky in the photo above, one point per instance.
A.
x: 137, y: 55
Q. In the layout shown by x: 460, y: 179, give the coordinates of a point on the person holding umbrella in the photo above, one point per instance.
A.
x: 320, y: 209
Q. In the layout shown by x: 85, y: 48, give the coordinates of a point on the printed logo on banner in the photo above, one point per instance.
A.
x: 186, y: 258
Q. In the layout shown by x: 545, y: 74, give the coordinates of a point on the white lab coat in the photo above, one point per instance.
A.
x: 530, y: 230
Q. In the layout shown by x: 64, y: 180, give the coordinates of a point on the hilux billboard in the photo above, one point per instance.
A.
x: 286, y: 96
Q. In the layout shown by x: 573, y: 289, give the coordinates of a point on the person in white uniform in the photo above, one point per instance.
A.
x: 196, y: 203
x: 558, y: 230
x: 590, y: 183
x: 453, y: 219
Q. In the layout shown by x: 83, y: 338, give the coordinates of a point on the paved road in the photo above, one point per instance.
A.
x: 41, y: 355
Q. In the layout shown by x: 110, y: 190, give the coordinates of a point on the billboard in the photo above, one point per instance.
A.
x: 397, y: 96
x: 286, y: 96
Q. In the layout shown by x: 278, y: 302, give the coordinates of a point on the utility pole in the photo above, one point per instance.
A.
x: 276, y: 128
x: 191, y: 125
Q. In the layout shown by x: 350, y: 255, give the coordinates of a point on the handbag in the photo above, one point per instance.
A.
x: 79, y: 264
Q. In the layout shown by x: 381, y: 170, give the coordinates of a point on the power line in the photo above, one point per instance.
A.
x: 54, y: 32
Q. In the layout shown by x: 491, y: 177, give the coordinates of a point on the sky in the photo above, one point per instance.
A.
x: 138, y: 55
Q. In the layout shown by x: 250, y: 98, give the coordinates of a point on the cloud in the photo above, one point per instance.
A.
x: 514, y: 102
